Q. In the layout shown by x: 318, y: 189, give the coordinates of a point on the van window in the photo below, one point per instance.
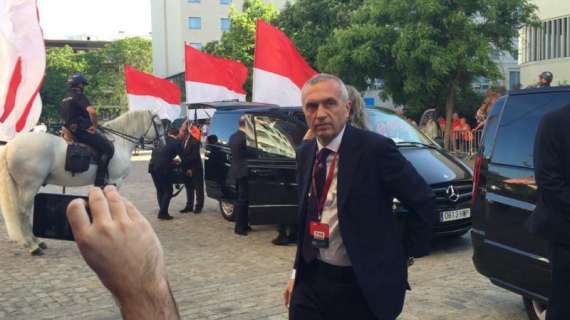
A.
x: 519, y: 122
x: 277, y: 137
x: 491, y: 126
x: 224, y: 125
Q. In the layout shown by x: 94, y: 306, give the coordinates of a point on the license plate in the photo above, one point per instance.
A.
x: 455, y: 215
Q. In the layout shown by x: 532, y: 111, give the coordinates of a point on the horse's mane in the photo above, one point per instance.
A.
x: 124, y: 123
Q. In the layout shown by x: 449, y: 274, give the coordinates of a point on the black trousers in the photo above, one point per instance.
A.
x: 195, y: 185
x: 559, y: 303
x: 103, y: 147
x: 328, y: 292
x: 242, y: 205
x: 163, y: 190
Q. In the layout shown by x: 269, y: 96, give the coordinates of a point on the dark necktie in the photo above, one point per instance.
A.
x: 320, y: 173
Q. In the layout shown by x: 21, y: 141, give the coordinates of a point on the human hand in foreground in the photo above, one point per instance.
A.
x: 288, y: 291
x: 125, y: 253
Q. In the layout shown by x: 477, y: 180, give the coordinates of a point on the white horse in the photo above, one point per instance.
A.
x: 34, y: 159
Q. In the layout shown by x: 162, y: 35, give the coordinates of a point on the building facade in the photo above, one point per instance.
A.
x: 196, y: 22
x: 547, y: 47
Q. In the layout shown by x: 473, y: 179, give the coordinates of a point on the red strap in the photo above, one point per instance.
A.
x: 326, y: 187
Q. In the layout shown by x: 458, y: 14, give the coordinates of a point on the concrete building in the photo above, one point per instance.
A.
x: 194, y: 21
x: 547, y: 47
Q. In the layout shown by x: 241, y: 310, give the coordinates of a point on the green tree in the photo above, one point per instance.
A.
x: 310, y: 23
x: 105, y: 70
x: 238, y: 42
x: 427, y: 51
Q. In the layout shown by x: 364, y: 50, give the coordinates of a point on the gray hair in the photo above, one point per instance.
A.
x: 357, y: 117
x: 242, y: 120
x: 320, y: 77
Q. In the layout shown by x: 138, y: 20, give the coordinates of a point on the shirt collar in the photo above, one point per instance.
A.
x: 334, y: 145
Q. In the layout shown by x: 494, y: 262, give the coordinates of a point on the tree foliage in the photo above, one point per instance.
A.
x: 310, y: 23
x: 238, y: 42
x: 426, y: 51
x: 102, y: 67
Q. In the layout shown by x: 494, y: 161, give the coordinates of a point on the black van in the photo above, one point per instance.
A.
x: 504, y: 194
x: 273, y: 133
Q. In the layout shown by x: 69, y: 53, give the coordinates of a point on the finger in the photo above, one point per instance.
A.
x: 99, y: 206
x: 132, y: 211
x: 77, y: 216
x: 116, y: 204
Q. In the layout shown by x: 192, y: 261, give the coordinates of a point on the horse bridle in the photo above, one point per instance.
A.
x: 140, y: 140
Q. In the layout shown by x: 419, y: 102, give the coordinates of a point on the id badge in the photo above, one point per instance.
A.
x: 319, y: 233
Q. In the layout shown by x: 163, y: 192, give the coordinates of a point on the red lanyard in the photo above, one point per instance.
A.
x: 326, y: 187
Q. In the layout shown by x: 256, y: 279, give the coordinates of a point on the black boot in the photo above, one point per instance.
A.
x: 187, y: 208
x: 101, y: 175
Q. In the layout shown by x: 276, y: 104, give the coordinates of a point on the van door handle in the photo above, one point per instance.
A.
x: 262, y: 172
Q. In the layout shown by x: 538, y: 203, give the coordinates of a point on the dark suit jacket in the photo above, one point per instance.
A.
x: 238, y: 168
x: 190, y: 155
x: 371, y: 172
x: 161, y: 159
x: 551, y: 217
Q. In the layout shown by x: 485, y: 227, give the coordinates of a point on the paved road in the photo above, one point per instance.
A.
x: 217, y: 275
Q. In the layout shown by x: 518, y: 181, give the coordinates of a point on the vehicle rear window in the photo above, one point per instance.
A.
x: 491, y: 126
x: 519, y: 122
x: 224, y: 125
x: 277, y: 137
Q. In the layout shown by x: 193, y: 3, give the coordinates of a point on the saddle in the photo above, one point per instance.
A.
x: 79, y: 155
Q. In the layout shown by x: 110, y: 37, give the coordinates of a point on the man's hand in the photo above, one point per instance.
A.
x: 125, y: 253
x: 189, y: 172
x: 92, y: 129
x: 288, y: 291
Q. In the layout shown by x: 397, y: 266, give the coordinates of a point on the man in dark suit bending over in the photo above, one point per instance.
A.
x: 353, y: 251
x: 238, y: 172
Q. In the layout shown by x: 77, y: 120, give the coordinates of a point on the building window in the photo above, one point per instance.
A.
x: 193, y: 1
x: 225, y: 1
x: 514, y: 79
x: 225, y: 24
x: 196, y: 45
x: 194, y: 23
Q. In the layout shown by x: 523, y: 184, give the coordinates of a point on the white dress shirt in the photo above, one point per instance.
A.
x: 335, y: 254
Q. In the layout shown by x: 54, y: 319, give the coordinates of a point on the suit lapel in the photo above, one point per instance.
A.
x: 308, y: 153
x: 349, y: 154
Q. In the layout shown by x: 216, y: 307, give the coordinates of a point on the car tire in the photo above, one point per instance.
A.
x: 227, y: 210
x: 535, y: 310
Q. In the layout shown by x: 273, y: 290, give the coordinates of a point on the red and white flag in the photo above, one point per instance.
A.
x: 22, y: 67
x: 210, y: 78
x: 279, y: 70
x: 147, y: 92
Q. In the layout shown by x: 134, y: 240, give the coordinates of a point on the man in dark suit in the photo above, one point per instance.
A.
x: 551, y: 217
x: 238, y: 172
x: 353, y: 251
x: 192, y: 167
x: 160, y: 168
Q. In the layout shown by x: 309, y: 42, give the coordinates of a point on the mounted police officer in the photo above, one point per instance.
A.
x: 81, y: 120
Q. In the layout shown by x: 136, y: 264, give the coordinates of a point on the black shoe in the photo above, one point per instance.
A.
x: 280, y: 241
x: 186, y: 209
x: 165, y: 217
x: 197, y: 210
x: 248, y: 228
x: 241, y: 232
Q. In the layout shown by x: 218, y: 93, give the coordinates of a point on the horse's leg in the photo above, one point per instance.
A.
x: 26, y: 202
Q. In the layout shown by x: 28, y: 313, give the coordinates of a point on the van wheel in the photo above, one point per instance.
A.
x: 535, y: 310
x: 227, y: 210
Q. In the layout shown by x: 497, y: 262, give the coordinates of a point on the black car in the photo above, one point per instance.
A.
x: 273, y: 133
x: 505, y: 196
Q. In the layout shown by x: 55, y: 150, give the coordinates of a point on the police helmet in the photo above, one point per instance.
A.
x: 547, y: 75
x: 76, y: 79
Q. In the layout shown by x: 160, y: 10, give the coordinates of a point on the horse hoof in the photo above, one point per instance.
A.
x: 37, y: 252
x: 42, y: 245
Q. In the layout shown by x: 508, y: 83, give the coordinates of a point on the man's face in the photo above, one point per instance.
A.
x: 325, y: 111
x: 455, y: 116
x: 542, y: 81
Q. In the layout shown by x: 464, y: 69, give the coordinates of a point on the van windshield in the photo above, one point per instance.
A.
x: 394, y: 127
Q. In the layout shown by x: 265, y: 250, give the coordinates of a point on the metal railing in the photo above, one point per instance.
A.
x: 464, y: 144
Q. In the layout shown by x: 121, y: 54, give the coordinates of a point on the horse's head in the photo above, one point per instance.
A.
x: 155, y: 131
